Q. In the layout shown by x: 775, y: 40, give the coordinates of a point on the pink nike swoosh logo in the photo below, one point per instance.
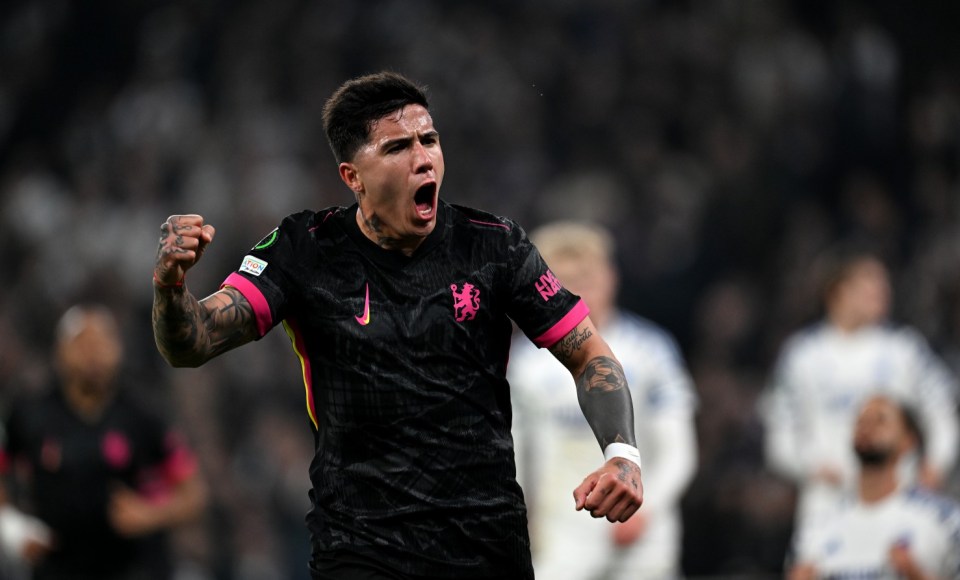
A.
x: 365, y: 319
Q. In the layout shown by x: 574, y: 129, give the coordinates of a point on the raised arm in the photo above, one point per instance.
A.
x: 189, y: 332
x: 614, y: 491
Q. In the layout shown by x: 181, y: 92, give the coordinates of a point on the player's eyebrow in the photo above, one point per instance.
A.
x: 407, y: 139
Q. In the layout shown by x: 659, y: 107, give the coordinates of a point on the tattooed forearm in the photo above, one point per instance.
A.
x: 190, y: 332
x: 604, y: 373
x: 565, y: 348
x: 230, y: 320
x: 174, y: 316
x: 605, y: 401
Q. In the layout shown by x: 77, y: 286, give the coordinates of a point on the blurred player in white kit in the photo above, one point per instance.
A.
x: 888, y: 529
x: 826, y: 371
x: 550, y: 431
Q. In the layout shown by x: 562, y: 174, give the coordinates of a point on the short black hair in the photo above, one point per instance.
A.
x: 350, y: 112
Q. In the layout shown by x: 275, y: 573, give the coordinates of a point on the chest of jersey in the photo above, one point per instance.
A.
x: 438, y: 303
x: 840, y: 372
x: 859, y: 546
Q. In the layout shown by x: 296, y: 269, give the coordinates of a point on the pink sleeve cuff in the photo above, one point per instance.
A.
x: 261, y: 308
x: 181, y: 464
x: 566, y: 324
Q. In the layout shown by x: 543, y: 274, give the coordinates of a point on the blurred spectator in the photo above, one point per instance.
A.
x: 550, y: 431
x: 105, y: 476
x: 889, y: 528
x: 740, y: 138
x: 826, y: 371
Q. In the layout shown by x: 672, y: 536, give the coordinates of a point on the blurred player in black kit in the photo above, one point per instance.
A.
x: 399, y: 309
x: 103, y: 476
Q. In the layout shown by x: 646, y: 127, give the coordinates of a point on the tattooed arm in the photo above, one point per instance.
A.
x: 615, y: 490
x: 189, y: 332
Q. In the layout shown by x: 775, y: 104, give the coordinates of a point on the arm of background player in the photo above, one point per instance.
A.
x: 781, y: 411
x: 936, y: 387
x: 173, y: 494
x: 614, y: 490
x: 132, y: 515
x: 189, y: 332
x: 675, y: 440
x: 22, y: 537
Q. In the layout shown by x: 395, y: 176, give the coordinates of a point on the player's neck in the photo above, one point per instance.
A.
x: 877, y: 482
x: 374, y: 231
x: 847, y: 324
x: 85, y: 403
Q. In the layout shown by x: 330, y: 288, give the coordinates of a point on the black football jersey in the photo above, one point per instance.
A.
x: 404, y: 362
x: 74, y: 465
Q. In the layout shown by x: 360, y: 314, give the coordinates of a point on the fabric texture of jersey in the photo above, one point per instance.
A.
x: 555, y: 448
x: 822, y: 378
x: 73, y: 465
x: 404, y: 362
x: 855, y: 541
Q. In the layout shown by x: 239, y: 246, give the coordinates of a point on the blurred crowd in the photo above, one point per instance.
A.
x: 725, y: 144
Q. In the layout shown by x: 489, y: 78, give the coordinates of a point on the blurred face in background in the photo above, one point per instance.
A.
x: 881, y: 434
x: 88, y: 352
x: 862, y: 296
x: 590, y: 276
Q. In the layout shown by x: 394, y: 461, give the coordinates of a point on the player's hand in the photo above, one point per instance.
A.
x: 802, y: 572
x: 23, y: 536
x: 35, y: 550
x: 614, y: 491
x: 182, y: 241
x: 628, y: 532
x: 902, y: 561
x: 828, y: 474
x: 130, y: 514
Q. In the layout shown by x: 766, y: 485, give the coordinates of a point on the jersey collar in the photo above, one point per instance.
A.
x: 391, y: 258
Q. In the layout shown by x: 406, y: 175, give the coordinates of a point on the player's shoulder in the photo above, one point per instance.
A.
x: 314, y: 222
x: 630, y: 326
x: 27, y: 407
x: 304, y: 228
x: 479, y: 221
x: 485, y: 236
x: 807, y: 338
x: 641, y: 326
x: 903, y: 333
x: 941, y: 506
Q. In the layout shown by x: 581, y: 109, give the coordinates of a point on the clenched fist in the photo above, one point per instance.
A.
x: 614, y: 491
x: 182, y: 241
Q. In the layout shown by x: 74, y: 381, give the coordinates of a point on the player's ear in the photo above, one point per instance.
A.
x: 350, y: 176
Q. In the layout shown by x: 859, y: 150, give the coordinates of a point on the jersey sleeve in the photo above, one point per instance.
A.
x: 168, y: 460
x: 936, y: 387
x: 781, y: 412
x: 263, y: 276
x: 542, y: 308
x: 666, y: 406
x: 951, y: 524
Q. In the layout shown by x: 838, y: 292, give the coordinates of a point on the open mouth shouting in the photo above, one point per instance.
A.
x: 425, y: 200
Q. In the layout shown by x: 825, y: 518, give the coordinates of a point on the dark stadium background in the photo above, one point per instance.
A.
x: 726, y: 143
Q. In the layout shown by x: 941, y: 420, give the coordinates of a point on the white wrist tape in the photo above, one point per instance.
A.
x: 16, y: 528
x: 621, y: 450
